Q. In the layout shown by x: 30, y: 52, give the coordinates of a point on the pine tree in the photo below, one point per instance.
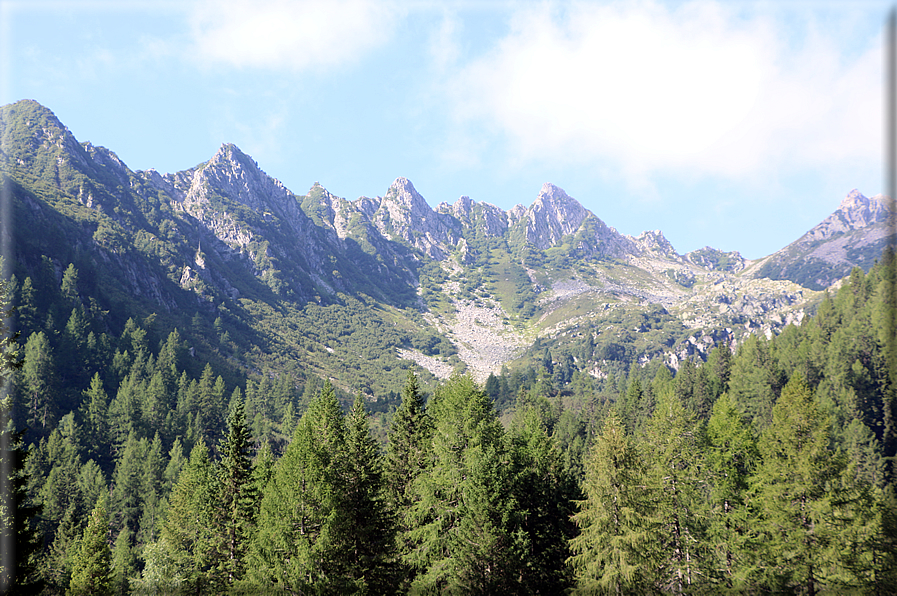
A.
x: 123, y: 562
x: 368, y: 528
x: 465, y: 526
x: 39, y: 381
x: 21, y: 541
x: 186, y: 533
x: 92, y: 567
x: 731, y: 455
x: 127, y: 489
x: 234, y: 502
x: 297, y: 546
x: 94, y: 411
x: 612, y: 553
x: 176, y: 462
x: 791, y: 490
x: 151, y: 495
x: 544, y: 492
x: 407, y: 456
x: 407, y: 452
x: 677, y: 480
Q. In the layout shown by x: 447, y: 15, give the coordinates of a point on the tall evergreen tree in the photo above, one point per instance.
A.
x: 94, y: 413
x: 234, y: 501
x: 731, y: 455
x: 92, y: 568
x: 676, y: 477
x: 792, y: 490
x: 465, y: 524
x: 187, y: 533
x: 297, y: 547
x: 21, y: 541
x: 38, y: 382
x: 612, y: 553
x: 544, y: 491
x: 368, y: 528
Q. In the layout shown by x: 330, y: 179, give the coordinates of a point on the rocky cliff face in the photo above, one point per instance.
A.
x: 231, y: 175
x: 226, y: 230
x: 552, y: 216
x: 854, y: 235
x: 404, y: 214
x: 655, y: 243
x: 474, y: 217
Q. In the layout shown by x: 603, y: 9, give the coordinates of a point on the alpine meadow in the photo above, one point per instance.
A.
x: 214, y: 385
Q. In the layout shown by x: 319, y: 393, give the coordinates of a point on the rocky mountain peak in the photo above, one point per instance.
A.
x: 237, y: 176
x: 654, y: 241
x: 404, y: 213
x: 859, y: 211
x: 855, y: 211
x: 461, y: 208
x: 553, y: 215
x: 28, y: 124
x: 402, y: 200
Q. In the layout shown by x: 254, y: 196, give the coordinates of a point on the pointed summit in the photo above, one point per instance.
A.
x: 29, y: 131
x: 856, y: 211
x: 553, y: 215
x: 403, y: 213
x: 402, y: 198
x: 233, y: 174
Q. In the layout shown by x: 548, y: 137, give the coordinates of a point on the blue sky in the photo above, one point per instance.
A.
x: 737, y: 125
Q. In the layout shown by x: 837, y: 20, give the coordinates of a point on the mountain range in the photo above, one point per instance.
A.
x: 260, y: 277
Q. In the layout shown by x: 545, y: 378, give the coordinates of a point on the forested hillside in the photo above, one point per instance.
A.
x: 214, y: 385
x: 142, y: 470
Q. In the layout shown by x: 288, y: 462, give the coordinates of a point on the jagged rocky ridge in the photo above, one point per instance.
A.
x: 212, y: 228
x: 854, y: 235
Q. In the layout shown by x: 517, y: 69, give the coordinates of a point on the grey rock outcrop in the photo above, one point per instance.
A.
x: 404, y: 214
x: 854, y: 235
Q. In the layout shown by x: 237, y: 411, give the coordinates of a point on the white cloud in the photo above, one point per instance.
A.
x: 289, y: 34
x: 693, y: 90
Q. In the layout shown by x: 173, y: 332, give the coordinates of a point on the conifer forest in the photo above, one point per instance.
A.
x: 232, y: 400
x: 135, y: 469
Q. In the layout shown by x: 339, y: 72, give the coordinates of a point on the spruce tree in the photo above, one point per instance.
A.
x: 234, y: 501
x: 677, y: 480
x: 94, y: 412
x: 297, y: 546
x: 792, y: 491
x: 368, y: 529
x: 407, y: 452
x: 187, y: 531
x: 612, y: 552
x: 21, y: 541
x: 465, y: 531
x: 92, y: 566
x: 731, y: 455
x: 38, y: 381
x: 544, y: 493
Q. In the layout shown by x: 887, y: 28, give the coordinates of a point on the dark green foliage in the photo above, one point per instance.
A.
x: 186, y: 547
x: 687, y: 488
x: 18, y: 518
x: 793, y: 491
x: 368, y: 528
x: 92, y: 566
x: 234, y: 505
x: 731, y: 456
x: 298, y: 546
x: 544, y: 491
x: 465, y: 526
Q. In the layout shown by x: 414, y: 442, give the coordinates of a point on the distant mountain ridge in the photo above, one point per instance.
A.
x: 225, y: 239
x: 854, y: 235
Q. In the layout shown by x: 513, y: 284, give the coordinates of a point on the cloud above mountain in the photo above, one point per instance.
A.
x: 648, y: 88
x: 287, y: 34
